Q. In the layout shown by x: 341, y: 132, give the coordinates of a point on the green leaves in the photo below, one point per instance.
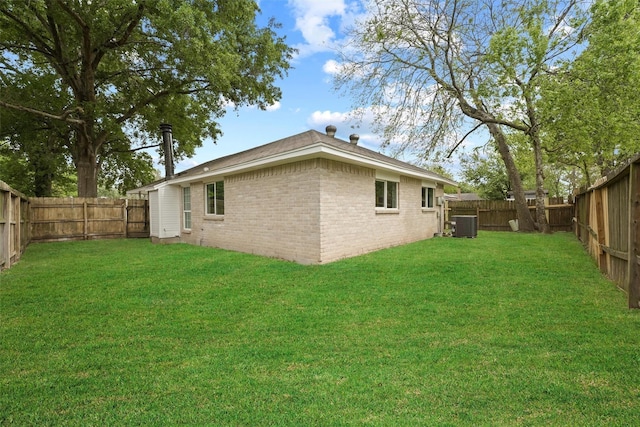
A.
x: 130, y: 65
x: 590, y: 107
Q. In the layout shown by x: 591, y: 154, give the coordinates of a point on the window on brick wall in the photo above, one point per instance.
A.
x: 214, y: 193
x: 186, y: 208
x: 428, y: 195
x: 386, y: 194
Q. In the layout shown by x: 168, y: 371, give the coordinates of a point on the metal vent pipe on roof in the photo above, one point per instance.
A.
x: 167, y: 140
x: 353, y: 138
x: 331, y: 130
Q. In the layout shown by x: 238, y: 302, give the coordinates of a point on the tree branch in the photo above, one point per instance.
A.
x: 131, y: 150
x: 112, y: 44
x: 76, y: 17
x: 463, y: 138
x: 63, y: 117
x: 59, y: 61
x: 39, y: 41
x: 155, y: 96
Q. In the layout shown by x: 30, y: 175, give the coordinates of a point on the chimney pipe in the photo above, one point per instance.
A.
x: 353, y: 138
x: 331, y: 130
x: 167, y: 139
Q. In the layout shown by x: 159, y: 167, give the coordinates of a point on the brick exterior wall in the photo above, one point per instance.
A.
x: 273, y: 212
x: 351, y: 225
x: 312, y: 211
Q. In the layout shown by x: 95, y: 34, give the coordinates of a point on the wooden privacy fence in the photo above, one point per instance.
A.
x: 55, y: 219
x: 607, y: 216
x: 494, y: 215
x: 24, y: 220
x: 14, y: 225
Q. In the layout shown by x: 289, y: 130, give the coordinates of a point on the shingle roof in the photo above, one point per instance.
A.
x: 299, y: 141
x: 466, y: 197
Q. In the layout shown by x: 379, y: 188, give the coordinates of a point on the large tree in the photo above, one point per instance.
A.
x: 428, y: 67
x: 590, y: 106
x: 129, y: 65
x: 34, y: 148
x: 484, y: 170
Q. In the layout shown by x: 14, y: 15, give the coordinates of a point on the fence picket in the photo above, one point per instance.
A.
x: 494, y: 215
x: 607, y: 223
x: 24, y: 220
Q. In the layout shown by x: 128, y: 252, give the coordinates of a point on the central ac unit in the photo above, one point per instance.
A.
x: 466, y: 225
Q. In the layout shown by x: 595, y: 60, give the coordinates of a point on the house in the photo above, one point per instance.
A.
x: 528, y: 195
x: 463, y: 197
x: 309, y: 198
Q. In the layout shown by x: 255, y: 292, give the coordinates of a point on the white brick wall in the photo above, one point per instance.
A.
x: 351, y: 225
x: 312, y: 211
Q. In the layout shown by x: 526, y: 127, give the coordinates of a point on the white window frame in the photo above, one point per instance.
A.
x: 426, y: 191
x: 216, y: 210
x: 186, y: 208
x: 385, y: 199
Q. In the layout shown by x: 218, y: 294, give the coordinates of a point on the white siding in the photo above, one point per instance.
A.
x: 169, y: 207
x: 154, y: 214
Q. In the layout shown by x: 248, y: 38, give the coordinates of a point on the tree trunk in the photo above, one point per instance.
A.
x: 88, y: 145
x: 43, y: 161
x: 525, y: 220
x: 541, y: 216
x: 587, y: 175
x: 87, y: 168
x: 534, y: 137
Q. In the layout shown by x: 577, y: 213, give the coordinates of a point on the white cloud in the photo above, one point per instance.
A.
x: 319, y: 20
x: 275, y: 106
x: 356, y: 121
x: 324, y: 118
x: 368, y: 123
x: 312, y: 20
x: 360, y: 120
x: 332, y: 67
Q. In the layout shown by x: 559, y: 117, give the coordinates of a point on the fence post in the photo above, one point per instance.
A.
x: 18, y: 233
x: 602, y: 255
x: 633, y: 265
x: 124, y: 217
x: 25, y: 211
x: 86, y: 220
x: 6, y: 229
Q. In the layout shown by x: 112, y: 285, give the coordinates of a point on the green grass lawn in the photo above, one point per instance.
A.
x: 505, y: 329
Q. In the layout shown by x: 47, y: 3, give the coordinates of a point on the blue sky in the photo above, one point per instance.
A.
x: 309, y: 100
